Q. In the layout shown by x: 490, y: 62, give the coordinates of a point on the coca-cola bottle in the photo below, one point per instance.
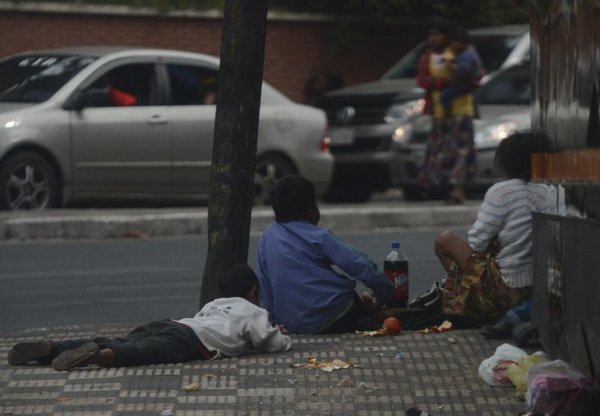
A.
x: 395, y: 268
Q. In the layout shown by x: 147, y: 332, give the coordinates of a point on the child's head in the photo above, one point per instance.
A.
x: 438, y: 35
x: 459, y: 39
x: 239, y: 281
x: 513, y: 155
x: 293, y: 198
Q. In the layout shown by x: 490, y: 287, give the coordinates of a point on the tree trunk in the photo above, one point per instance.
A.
x: 236, y: 130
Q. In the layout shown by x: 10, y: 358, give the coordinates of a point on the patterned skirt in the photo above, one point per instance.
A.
x: 479, y: 294
x: 450, y: 154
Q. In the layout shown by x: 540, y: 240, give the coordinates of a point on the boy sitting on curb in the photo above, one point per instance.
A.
x: 226, y: 327
x: 296, y: 267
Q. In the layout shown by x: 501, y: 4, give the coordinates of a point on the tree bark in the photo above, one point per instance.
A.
x: 236, y: 130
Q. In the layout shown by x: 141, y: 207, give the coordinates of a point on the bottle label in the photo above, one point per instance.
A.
x: 400, y: 281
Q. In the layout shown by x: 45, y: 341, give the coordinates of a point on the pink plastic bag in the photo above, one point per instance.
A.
x: 557, y: 389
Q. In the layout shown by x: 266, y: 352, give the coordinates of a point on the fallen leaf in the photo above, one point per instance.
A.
x: 443, y: 327
x: 452, y: 340
x: 366, y: 386
x: 327, y: 366
x: 346, y: 381
x: 191, y: 387
x: 63, y: 399
x: 377, y: 333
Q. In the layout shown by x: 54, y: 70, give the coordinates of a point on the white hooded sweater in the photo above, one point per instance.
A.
x: 233, y: 326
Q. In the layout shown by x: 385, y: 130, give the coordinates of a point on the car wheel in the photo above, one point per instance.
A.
x: 28, y: 181
x: 269, y: 169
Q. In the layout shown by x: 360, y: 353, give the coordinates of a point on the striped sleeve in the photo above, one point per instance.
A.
x: 490, y: 220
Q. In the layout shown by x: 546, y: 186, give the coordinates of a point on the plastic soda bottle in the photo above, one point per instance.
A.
x: 395, y: 268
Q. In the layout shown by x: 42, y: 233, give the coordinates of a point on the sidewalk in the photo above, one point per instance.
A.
x: 161, y: 222
x: 435, y: 372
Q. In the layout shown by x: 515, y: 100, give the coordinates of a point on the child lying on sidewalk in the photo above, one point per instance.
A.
x: 225, y: 327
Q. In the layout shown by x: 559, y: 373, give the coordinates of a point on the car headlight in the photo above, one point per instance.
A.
x: 495, y: 132
x: 402, y: 133
x: 400, y: 111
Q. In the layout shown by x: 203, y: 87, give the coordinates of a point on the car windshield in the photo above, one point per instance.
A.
x: 509, y: 87
x: 493, y: 50
x: 35, y: 78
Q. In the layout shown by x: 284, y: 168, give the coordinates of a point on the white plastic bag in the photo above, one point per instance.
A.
x: 505, y: 352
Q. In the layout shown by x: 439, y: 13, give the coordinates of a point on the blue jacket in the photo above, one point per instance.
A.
x: 298, y: 285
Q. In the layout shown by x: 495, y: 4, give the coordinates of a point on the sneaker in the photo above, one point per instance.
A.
x: 77, y: 357
x: 416, y: 319
x: 525, y: 335
x: 428, y: 300
x: 24, y: 352
x: 500, y: 330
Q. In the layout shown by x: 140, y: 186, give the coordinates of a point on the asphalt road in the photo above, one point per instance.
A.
x: 55, y: 284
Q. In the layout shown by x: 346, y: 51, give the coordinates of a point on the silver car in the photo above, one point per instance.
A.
x: 129, y: 123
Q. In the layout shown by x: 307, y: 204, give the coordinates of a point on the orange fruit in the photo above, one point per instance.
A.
x: 392, y: 325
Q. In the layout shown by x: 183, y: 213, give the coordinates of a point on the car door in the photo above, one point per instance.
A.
x: 121, y: 143
x: 192, y: 88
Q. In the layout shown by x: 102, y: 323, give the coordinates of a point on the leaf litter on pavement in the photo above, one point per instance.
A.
x: 324, y: 365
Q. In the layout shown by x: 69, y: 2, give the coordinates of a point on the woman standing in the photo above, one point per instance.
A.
x: 449, y: 160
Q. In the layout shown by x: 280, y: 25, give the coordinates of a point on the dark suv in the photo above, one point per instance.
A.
x: 363, y: 119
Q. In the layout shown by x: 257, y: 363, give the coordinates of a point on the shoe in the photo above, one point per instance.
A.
x: 432, y: 299
x: 500, y: 330
x: 24, y: 352
x: 525, y: 335
x: 416, y: 319
x: 77, y: 357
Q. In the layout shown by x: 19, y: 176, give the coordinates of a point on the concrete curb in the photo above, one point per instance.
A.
x: 135, y: 223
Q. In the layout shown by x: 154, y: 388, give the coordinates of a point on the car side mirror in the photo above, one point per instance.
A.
x: 91, y: 97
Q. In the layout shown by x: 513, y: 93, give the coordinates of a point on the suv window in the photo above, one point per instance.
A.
x: 512, y: 86
x: 407, y: 66
x: 192, y: 85
x: 493, y: 50
x: 35, y: 78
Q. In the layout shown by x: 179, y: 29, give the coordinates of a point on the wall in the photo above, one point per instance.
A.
x: 565, y: 40
x: 296, y: 45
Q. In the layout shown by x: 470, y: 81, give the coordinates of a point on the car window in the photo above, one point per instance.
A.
x: 35, y: 78
x: 494, y: 50
x: 124, y: 86
x: 512, y: 86
x: 192, y: 85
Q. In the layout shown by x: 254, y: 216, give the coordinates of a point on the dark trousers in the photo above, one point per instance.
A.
x: 159, y: 342
x: 356, y: 318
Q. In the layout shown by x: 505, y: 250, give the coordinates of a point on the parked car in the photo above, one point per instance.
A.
x: 363, y: 118
x: 504, y: 107
x: 129, y: 123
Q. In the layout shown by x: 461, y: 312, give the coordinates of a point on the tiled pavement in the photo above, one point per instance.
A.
x: 435, y: 372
